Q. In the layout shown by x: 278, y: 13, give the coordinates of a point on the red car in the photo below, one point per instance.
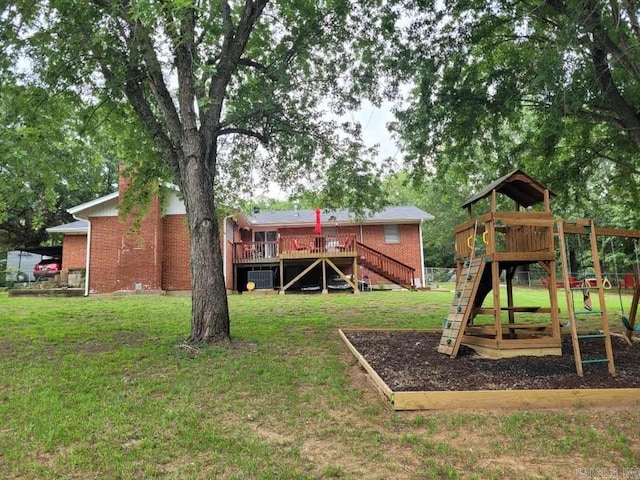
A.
x: 47, y: 268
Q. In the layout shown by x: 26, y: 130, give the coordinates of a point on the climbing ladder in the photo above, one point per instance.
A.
x: 576, y: 338
x: 462, y: 306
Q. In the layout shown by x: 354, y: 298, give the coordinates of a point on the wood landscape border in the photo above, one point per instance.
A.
x: 490, y: 399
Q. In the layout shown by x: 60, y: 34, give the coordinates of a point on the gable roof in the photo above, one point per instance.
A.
x: 400, y: 214
x: 93, y: 203
x: 516, y: 185
x: 78, y: 227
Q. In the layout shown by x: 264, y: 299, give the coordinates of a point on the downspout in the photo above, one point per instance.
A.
x: 88, y: 256
x: 421, y: 256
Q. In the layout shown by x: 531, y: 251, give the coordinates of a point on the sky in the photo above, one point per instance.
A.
x: 374, y: 132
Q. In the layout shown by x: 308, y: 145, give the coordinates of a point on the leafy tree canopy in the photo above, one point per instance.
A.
x: 548, y: 86
x: 47, y: 163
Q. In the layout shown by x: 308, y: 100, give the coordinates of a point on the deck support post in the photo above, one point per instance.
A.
x: 281, y: 276
x: 325, y: 291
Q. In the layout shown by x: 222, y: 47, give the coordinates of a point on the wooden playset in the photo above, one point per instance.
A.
x: 491, y: 243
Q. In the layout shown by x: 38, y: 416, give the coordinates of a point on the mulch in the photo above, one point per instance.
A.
x: 408, y: 361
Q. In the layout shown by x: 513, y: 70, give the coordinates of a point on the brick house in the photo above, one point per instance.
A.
x: 275, y: 250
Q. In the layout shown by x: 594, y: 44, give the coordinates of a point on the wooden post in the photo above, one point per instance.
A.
x: 553, y: 299
x: 547, y: 202
x: 567, y: 289
x: 510, y: 272
x: 603, y: 309
x: 325, y: 291
x: 495, y: 279
x: 356, y: 280
x: 281, y: 274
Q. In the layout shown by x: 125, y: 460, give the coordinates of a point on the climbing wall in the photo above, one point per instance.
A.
x: 464, y: 300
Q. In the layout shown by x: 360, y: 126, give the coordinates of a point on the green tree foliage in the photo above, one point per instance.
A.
x: 47, y: 162
x: 548, y: 86
x: 224, y: 89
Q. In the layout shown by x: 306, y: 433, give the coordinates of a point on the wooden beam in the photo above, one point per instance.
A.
x: 378, y: 382
x: 510, y: 399
x: 530, y: 257
x: 489, y: 311
x: 578, y: 227
x: 300, y: 275
x: 342, y: 276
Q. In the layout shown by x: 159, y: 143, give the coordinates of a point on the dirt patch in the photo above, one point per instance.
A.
x: 408, y: 361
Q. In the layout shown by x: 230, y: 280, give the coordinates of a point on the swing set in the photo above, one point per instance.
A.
x: 630, y: 321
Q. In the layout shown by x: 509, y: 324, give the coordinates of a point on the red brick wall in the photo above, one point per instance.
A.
x: 408, y: 251
x: 104, y: 254
x: 74, y: 251
x: 120, y: 258
x: 175, y: 261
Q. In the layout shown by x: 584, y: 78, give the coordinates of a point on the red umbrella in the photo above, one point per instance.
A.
x: 318, y: 230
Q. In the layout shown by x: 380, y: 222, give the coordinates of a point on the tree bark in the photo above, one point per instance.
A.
x: 209, y: 309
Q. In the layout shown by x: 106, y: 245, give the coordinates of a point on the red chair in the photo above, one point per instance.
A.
x: 346, y: 245
x: 297, y: 246
x: 628, y: 282
x: 247, y: 251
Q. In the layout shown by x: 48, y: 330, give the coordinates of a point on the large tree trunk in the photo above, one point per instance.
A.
x: 209, y: 310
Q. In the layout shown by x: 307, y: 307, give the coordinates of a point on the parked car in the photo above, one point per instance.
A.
x: 47, y: 268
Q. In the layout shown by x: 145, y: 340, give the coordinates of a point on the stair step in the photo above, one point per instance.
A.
x: 591, y: 335
x: 596, y: 360
x: 586, y: 312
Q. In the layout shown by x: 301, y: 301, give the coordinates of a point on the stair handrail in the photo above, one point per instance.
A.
x: 367, y: 247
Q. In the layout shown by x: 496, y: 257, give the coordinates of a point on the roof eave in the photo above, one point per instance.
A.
x: 75, y: 211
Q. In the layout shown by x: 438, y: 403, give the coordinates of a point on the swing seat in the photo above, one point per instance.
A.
x: 628, y: 326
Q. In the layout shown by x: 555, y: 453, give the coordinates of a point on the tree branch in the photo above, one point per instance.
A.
x: 233, y: 46
x: 139, y: 39
x: 243, y: 131
x: 598, y: 117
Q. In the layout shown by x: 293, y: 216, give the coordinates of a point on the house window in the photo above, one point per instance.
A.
x: 267, y: 243
x: 392, y: 234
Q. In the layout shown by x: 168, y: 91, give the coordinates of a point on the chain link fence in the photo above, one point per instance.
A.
x: 532, y: 277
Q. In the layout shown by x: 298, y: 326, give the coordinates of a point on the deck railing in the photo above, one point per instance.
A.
x: 316, y: 246
x: 255, y: 252
x: 297, y: 246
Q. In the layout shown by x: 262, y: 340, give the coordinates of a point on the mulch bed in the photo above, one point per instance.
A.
x: 408, y: 361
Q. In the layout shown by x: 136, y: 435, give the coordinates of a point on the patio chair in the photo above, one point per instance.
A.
x: 346, y: 245
x: 297, y: 246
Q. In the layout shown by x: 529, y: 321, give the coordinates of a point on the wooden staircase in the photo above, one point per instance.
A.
x: 385, y: 266
x: 471, y: 288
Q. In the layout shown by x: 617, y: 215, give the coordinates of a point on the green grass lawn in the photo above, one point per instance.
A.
x: 102, y: 388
